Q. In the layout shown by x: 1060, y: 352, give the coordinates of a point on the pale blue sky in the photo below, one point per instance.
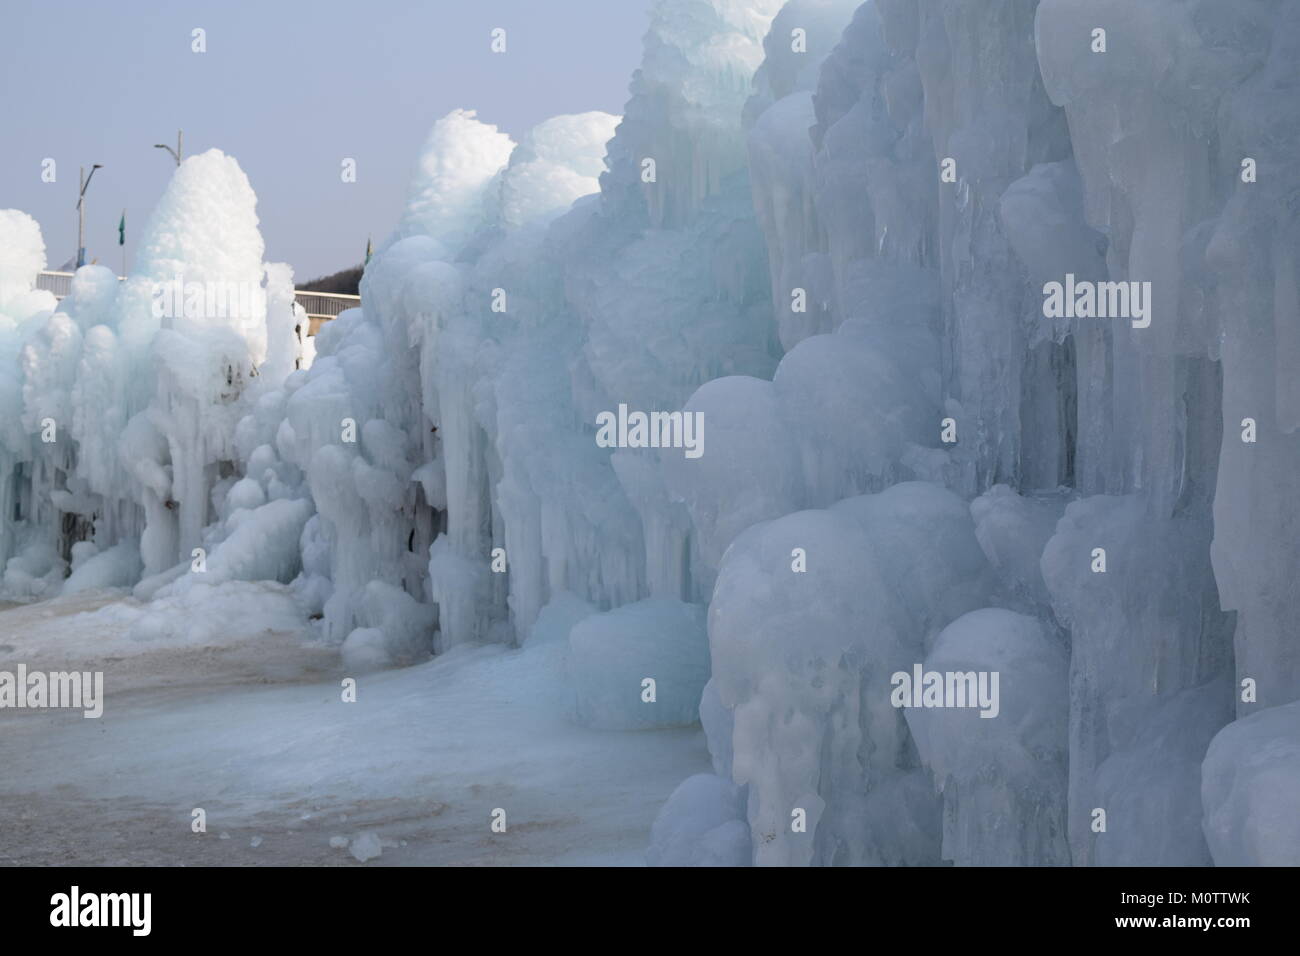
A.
x: 289, y: 88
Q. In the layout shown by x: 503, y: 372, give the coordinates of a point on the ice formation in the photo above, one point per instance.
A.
x: 824, y: 226
x: 129, y: 399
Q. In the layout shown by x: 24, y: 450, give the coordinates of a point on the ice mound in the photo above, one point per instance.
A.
x: 1013, y: 530
x: 398, y: 631
x: 1151, y: 789
x: 1126, y: 694
x: 803, y: 660
x: 902, y: 517
x: 22, y: 257
x: 749, y: 445
x: 558, y: 161
x: 118, y: 566
x: 613, y: 655
x: 1002, y: 776
x: 36, y: 572
x: 459, y: 159
x: 701, y: 824
x: 1250, y: 786
x: 200, y: 615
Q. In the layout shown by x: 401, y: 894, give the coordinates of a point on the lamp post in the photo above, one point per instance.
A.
x: 176, y: 153
x: 81, y: 213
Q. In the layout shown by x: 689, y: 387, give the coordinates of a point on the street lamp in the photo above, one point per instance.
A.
x: 176, y: 153
x: 81, y: 213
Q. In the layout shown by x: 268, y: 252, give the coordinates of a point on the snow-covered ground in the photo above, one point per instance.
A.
x: 251, y: 727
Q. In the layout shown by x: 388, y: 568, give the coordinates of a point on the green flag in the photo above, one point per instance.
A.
x: 369, y: 251
x: 121, y: 230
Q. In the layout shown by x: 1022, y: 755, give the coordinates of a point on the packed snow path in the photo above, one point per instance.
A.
x: 252, y: 728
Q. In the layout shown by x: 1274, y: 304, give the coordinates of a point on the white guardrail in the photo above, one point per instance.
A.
x: 319, y: 306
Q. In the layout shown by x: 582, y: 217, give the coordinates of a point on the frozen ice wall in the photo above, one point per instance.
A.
x: 533, y: 320
x: 22, y: 256
x: 445, y: 432
x: 826, y: 231
x: 695, y: 75
x: 435, y: 430
x: 1161, y: 126
x: 961, y: 157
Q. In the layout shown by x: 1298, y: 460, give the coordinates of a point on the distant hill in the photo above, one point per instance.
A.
x: 347, y: 281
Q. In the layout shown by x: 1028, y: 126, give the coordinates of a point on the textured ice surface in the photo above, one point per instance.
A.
x: 118, y: 566
x: 1013, y: 530
x: 803, y: 659
x: 837, y: 256
x: 1142, y: 650
x: 424, y: 754
x: 1003, y: 778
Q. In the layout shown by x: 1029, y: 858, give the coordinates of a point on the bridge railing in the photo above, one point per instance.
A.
x: 319, y: 306
x: 60, y: 283
x: 323, y: 306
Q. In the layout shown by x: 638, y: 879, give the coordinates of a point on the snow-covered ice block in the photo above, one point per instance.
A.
x: 1150, y: 657
x: 36, y: 572
x: 746, y: 444
x: 613, y: 655
x: 803, y: 660
x: 115, y: 567
x: 207, y: 614
x: 1151, y: 790
x: 1001, y: 761
x: 1250, y: 787
x: 398, y: 629
x: 1013, y: 530
x: 935, y: 584
x: 701, y: 824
